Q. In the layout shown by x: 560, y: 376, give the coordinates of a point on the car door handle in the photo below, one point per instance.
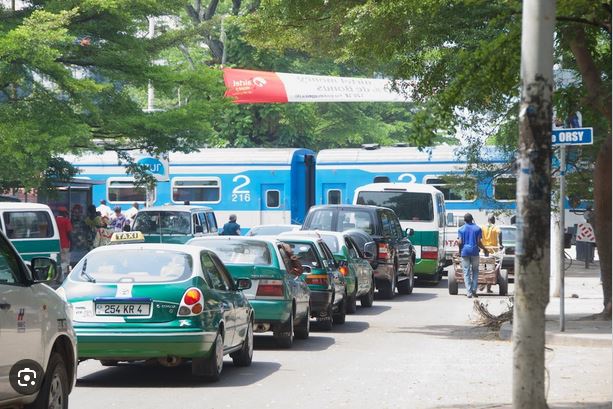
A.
x: 4, y: 306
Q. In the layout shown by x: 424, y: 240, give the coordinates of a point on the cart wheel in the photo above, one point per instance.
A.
x: 452, y: 283
x: 503, y: 282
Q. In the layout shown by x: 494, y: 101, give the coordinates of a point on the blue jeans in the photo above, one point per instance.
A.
x: 470, y: 264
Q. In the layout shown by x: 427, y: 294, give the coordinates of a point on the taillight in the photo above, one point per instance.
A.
x: 192, y: 303
x: 344, y: 270
x: 429, y: 252
x: 270, y: 288
x: 384, y: 251
x: 317, y: 280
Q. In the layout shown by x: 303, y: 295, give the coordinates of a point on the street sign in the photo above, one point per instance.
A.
x: 572, y: 136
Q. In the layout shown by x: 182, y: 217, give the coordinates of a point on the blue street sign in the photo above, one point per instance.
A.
x: 572, y: 136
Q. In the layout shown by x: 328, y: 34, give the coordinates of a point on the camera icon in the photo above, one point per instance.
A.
x: 26, y: 377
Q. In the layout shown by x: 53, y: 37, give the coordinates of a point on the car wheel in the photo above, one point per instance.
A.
x: 325, y: 323
x: 341, y: 315
x: 503, y: 282
x: 368, y: 299
x: 210, y: 368
x: 388, y: 289
x: 304, y: 328
x: 350, y: 306
x: 243, y: 356
x: 452, y: 283
x: 284, y: 334
x: 406, y: 286
x: 53, y: 393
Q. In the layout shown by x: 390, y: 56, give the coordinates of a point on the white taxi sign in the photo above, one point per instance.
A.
x: 124, y: 237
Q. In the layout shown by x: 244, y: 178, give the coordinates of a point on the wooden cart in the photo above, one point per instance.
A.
x: 489, y: 273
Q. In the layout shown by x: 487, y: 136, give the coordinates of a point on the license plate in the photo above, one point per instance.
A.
x: 133, y: 309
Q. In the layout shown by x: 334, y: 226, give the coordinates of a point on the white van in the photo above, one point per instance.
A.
x: 419, y: 207
x: 31, y: 228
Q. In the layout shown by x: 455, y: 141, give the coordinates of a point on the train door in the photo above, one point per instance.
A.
x: 273, y: 206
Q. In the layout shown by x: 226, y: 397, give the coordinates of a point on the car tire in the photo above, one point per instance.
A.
x: 406, y: 286
x: 210, y: 368
x: 350, y: 306
x: 108, y: 362
x: 304, y: 328
x: 244, y: 356
x: 368, y: 299
x: 326, y: 323
x: 503, y: 282
x: 341, y: 315
x: 54, y: 391
x: 389, y: 289
x: 452, y: 283
x: 284, y: 333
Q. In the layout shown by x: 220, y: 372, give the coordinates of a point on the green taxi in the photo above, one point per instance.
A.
x: 279, y: 299
x: 325, y: 281
x: 359, y: 275
x: 159, y: 302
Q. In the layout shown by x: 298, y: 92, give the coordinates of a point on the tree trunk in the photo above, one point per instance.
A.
x: 533, y: 210
x: 600, y: 99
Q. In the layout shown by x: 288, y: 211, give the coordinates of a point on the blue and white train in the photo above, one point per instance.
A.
x: 277, y: 186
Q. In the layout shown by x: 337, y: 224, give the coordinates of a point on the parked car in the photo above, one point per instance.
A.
x: 359, y: 276
x: 271, y: 229
x: 325, y: 281
x: 509, y: 236
x: 395, y: 253
x: 280, y: 300
x: 175, y: 224
x: 159, y: 302
x: 35, y: 324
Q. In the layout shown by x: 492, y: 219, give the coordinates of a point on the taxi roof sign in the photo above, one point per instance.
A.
x: 123, y: 237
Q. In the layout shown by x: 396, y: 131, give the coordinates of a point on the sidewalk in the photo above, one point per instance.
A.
x: 583, y: 298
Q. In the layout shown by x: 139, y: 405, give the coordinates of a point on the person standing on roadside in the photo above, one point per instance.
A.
x: 469, y: 242
x: 64, y: 227
x: 231, y: 228
x: 492, y: 237
x: 104, y: 209
x: 118, y: 220
x: 131, y: 213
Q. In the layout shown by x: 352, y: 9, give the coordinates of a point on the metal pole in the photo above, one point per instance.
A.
x: 561, y: 236
x: 150, y: 89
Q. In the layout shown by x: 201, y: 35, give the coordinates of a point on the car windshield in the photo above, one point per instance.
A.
x: 249, y: 252
x: 306, y: 253
x: 134, y: 265
x: 509, y: 235
x: 407, y: 205
x: 163, y: 222
x: 270, y: 230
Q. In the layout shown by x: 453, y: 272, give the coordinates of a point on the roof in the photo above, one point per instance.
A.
x: 175, y: 208
x: 347, y: 206
x: 183, y: 248
x: 22, y: 206
x: 315, y: 233
x: 266, y: 239
x: 298, y: 237
x: 412, y: 187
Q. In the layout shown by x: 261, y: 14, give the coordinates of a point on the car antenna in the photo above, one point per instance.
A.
x: 84, y: 273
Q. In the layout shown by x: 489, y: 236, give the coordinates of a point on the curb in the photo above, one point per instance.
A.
x: 565, y: 339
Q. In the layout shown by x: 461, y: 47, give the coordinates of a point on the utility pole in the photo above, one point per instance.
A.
x: 150, y: 89
x: 533, y: 218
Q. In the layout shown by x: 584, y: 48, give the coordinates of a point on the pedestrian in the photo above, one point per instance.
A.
x: 79, y: 245
x: 295, y: 266
x: 64, y: 227
x: 93, y: 220
x: 469, y: 242
x: 104, y: 209
x: 231, y: 228
x: 118, y: 220
x: 492, y: 238
x: 588, y: 215
x: 131, y: 213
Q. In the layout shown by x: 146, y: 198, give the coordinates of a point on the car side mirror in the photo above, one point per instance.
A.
x: 43, y: 269
x: 306, y: 269
x: 370, y: 250
x: 409, y: 232
x: 199, y: 229
x: 243, y: 284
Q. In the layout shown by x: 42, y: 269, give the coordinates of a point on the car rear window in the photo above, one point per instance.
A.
x: 134, y: 265
x: 249, y: 252
x: 164, y: 222
x: 355, y: 219
x: 331, y: 242
x: 306, y: 253
x: 28, y: 224
x: 407, y: 205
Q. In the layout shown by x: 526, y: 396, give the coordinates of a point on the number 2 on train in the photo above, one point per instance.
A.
x: 239, y: 194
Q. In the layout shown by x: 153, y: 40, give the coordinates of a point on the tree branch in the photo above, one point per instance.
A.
x: 604, y: 24
x: 210, y: 11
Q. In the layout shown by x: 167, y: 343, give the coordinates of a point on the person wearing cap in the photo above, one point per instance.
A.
x: 118, y: 220
x: 469, y: 241
x: 104, y: 209
x: 231, y: 228
x: 64, y: 227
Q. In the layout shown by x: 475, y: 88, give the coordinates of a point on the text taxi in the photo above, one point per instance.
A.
x: 164, y: 302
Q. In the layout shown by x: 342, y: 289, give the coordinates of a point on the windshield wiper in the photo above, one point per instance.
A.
x: 84, y: 274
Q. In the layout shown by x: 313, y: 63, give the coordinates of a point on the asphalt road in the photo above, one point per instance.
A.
x: 416, y: 351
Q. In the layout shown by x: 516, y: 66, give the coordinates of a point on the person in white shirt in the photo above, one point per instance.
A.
x: 104, y: 209
x: 131, y: 213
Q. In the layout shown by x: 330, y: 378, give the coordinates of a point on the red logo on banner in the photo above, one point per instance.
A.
x: 252, y: 87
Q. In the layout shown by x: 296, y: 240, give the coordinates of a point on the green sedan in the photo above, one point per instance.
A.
x: 159, y: 302
x: 280, y: 300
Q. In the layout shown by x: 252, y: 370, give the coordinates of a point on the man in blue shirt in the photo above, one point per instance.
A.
x: 469, y: 241
x: 231, y: 228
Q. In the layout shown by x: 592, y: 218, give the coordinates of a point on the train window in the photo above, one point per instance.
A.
x: 334, y: 196
x: 454, y: 188
x: 273, y: 198
x: 381, y: 179
x: 505, y: 188
x: 196, y: 190
x: 125, y: 190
